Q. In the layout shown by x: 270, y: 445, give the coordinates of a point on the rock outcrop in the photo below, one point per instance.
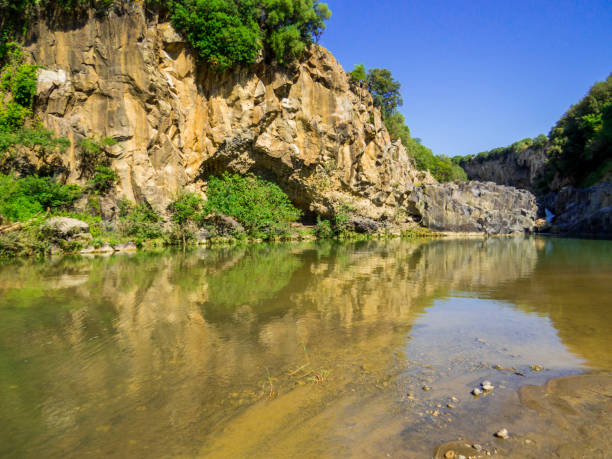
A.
x: 482, y: 207
x: 584, y: 211
x: 520, y: 170
x: 128, y: 75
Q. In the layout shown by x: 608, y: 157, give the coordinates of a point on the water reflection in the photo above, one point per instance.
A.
x: 149, y: 354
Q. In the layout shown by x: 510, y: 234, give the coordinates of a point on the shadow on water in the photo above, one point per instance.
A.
x: 257, y: 349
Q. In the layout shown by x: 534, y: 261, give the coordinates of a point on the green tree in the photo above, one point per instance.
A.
x: 359, y: 73
x: 289, y: 26
x: 581, y: 141
x: 260, y: 206
x: 385, y: 91
x: 224, y: 32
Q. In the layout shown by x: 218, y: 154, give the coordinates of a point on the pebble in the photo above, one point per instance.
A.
x: 450, y: 405
x: 426, y: 388
x: 476, y: 391
x: 503, y: 433
x: 449, y: 454
x: 498, y: 367
x: 487, y: 386
x: 410, y: 396
x: 454, y: 399
x: 477, y: 447
x: 537, y: 367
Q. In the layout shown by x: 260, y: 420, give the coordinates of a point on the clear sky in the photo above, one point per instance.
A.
x: 477, y: 74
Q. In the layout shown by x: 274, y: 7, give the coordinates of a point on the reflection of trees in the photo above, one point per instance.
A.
x: 572, y: 285
x: 139, y: 350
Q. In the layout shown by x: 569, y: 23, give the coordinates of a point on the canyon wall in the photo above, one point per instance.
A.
x: 128, y: 75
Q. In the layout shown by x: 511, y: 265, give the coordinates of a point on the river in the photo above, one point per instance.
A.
x: 366, y: 349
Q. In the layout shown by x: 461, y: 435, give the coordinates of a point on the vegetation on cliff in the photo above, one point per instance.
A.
x: 578, y: 148
x: 500, y: 152
x: 581, y: 141
x: 223, y: 32
x: 385, y: 92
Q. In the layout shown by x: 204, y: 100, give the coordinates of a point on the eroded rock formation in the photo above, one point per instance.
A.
x: 521, y: 170
x: 133, y: 78
x: 128, y: 75
x: 475, y: 207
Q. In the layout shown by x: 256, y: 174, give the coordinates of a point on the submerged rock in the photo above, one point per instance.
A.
x: 502, y: 433
x: 487, y: 386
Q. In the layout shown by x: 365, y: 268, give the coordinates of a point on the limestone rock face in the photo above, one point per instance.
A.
x: 482, y: 207
x: 128, y: 75
x: 520, y: 170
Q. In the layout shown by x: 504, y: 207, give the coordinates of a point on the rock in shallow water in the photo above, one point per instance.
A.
x: 475, y: 207
x: 503, y: 434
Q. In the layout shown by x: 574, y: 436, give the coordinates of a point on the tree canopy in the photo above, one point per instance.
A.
x: 385, y: 92
x: 223, y: 32
x: 581, y: 141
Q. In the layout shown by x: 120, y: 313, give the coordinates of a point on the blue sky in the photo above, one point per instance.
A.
x: 477, y: 74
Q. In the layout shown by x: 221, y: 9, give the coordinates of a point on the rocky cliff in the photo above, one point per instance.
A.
x: 475, y: 207
x: 131, y: 77
x: 127, y: 74
x: 521, y: 170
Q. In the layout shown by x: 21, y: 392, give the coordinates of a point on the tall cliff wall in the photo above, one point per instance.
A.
x: 521, y: 170
x: 127, y: 74
x: 130, y: 76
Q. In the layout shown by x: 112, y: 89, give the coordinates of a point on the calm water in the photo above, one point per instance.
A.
x: 291, y: 350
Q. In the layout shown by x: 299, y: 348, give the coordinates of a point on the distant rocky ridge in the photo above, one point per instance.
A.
x: 569, y: 210
x: 521, y: 170
x: 128, y: 75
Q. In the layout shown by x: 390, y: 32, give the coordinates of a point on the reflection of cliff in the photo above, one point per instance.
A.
x: 572, y: 285
x: 148, y: 350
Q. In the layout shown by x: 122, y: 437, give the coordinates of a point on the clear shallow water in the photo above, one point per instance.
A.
x: 291, y: 350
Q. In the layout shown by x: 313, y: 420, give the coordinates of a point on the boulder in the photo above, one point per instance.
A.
x: 474, y: 207
x: 202, y: 236
x: 363, y: 225
x: 224, y: 224
x: 125, y: 247
x: 65, y: 227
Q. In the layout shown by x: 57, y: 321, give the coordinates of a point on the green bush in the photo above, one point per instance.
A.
x: 323, y: 229
x: 93, y: 154
x: 103, y: 180
x: 358, y: 73
x: 581, y: 141
x: 230, y: 32
x: 260, y: 206
x: 23, y: 198
x: 187, y: 208
x: 139, y: 221
x: 224, y: 32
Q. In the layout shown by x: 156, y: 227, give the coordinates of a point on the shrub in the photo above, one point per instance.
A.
x: 224, y: 32
x: 260, y: 206
x: 187, y: 208
x: 323, y: 229
x: 358, y: 73
x: 93, y: 153
x: 103, y: 180
x: 139, y: 221
x: 22, y: 198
